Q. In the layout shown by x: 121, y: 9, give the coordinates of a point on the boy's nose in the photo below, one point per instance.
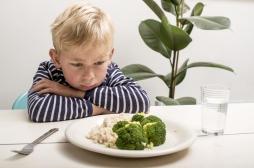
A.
x: 88, y: 74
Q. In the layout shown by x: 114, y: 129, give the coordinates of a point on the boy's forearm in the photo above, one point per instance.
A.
x: 44, y: 86
x: 120, y: 99
x: 51, y: 107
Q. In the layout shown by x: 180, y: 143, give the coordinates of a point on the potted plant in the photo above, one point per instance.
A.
x: 168, y: 39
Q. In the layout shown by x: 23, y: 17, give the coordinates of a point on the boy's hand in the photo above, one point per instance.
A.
x: 98, y: 110
x: 48, y: 86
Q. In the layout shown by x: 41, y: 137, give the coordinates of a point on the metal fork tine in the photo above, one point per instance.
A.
x: 26, y: 150
x: 21, y: 152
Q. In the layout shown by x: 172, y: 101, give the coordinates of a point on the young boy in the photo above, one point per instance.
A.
x: 80, y: 80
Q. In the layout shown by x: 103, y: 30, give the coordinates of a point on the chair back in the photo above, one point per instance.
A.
x: 20, y: 102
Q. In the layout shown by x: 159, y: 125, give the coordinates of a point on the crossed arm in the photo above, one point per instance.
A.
x: 49, y: 100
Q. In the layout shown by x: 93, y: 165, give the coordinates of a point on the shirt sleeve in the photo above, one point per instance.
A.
x: 51, y: 107
x: 119, y: 94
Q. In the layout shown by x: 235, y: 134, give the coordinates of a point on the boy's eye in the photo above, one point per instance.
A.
x: 99, y: 62
x: 77, y: 64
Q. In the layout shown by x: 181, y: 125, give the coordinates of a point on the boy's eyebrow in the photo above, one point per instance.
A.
x: 103, y: 55
x: 99, y: 58
x: 102, y: 58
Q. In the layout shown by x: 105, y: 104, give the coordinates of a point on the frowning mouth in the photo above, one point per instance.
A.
x: 87, y: 87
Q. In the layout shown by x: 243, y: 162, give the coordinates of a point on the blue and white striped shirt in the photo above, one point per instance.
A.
x: 117, y: 93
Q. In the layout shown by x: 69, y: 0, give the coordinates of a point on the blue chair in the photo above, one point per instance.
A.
x: 20, y: 102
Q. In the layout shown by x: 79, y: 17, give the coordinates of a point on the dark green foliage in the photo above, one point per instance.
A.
x: 169, y: 35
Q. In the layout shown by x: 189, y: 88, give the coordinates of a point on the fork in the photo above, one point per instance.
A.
x: 26, y: 150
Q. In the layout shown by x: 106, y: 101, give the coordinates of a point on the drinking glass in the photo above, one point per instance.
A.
x: 214, y: 102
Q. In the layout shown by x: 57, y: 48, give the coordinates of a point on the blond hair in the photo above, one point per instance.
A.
x: 81, y: 25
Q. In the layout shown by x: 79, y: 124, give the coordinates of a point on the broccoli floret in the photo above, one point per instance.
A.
x: 138, y: 117
x: 142, y: 132
x: 119, y: 124
x: 151, y: 119
x: 131, y: 137
x: 155, y: 133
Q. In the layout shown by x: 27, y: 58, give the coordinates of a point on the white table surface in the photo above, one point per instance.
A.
x: 230, y: 151
x: 234, y: 149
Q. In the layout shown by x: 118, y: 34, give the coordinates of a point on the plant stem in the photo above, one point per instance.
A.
x: 172, y: 86
x: 175, y: 73
x: 170, y: 62
x: 175, y: 58
x: 182, y: 6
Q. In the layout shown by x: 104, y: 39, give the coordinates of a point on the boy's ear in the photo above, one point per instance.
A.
x: 112, y: 53
x: 54, y: 57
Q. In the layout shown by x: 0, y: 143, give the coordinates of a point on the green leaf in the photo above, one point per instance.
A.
x: 141, y: 76
x: 209, y: 22
x: 176, y: 2
x: 182, y: 69
x: 196, y: 11
x: 167, y: 79
x: 139, y: 72
x: 210, y: 64
x: 156, y: 9
x: 174, y: 37
x: 188, y: 28
x: 167, y: 100
x: 186, y: 101
x: 179, y: 101
x: 149, y: 31
x: 169, y: 7
x: 205, y: 64
x: 179, y: 77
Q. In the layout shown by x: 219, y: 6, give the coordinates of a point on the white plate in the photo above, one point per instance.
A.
x: 178, y: 138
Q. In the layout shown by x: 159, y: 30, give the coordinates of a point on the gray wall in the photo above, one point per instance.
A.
x: 25, y: 41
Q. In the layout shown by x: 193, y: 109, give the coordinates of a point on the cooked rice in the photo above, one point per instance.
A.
x: 103, y: 134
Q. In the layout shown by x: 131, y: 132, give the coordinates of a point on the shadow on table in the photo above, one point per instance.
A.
x: 16, y: 157
x: 90, y: 158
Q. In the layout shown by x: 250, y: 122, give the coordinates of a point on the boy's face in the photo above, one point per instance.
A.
x: 84, y: 68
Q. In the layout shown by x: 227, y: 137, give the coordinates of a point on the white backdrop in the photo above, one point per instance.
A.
x: 25, y: 41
